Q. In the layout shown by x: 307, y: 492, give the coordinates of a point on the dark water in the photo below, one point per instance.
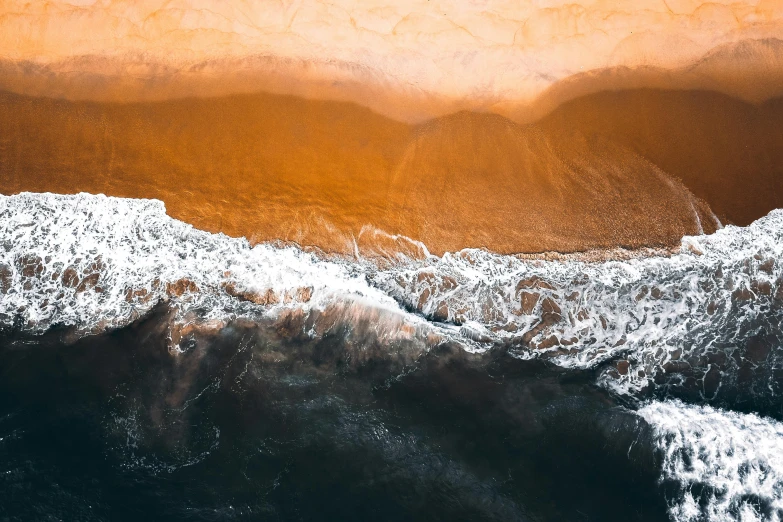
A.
x: 114, y: 427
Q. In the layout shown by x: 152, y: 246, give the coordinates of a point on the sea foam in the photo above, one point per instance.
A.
x: 703, y: 305
x: 722, y: 465
x: 96, y: 262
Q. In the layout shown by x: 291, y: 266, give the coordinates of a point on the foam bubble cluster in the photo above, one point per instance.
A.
x: 723, y: 465
x: 717, y: 296
x: 95, y: 262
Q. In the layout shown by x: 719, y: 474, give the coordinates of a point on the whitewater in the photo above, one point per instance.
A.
x: 689, y: 341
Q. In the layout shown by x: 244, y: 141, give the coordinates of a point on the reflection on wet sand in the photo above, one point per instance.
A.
x: 316, y: 172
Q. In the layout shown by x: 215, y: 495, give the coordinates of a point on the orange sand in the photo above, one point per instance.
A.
x: 599, y: 172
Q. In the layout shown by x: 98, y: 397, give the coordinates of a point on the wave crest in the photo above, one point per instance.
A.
x: 705, y: 320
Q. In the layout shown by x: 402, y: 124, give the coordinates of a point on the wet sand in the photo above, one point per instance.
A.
x: 602, y: 171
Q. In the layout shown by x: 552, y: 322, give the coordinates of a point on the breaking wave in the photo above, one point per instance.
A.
x: 705, y: 321
x: 699, y: 324
x: 721, y: 465
x: 96, y: 263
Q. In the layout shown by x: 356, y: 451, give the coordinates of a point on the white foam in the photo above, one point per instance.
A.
x: 653, y: 309
x: 726, y: 465
x: 96, y: 262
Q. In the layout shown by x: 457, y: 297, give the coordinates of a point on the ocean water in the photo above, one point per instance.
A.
x: 152, y: 370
